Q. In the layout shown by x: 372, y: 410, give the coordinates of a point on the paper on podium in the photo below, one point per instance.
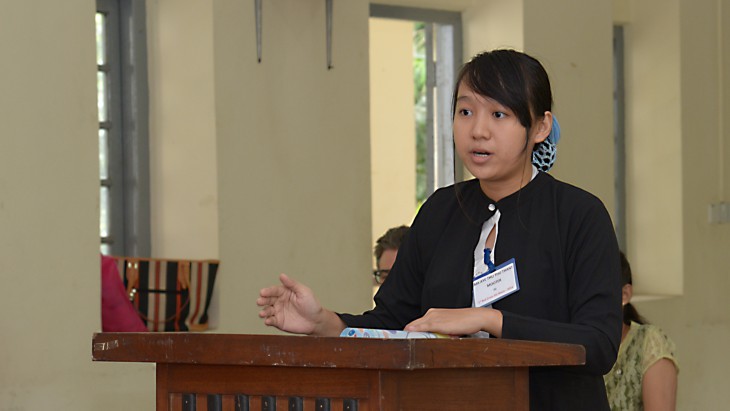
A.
x: 387, y: 334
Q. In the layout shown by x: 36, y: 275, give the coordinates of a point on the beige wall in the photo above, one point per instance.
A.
x: 183, y: 175
x: 49, y: 214
x: 492, y: 24
x: 392, y: 125
x: 653, y: 136
x: 292, y: 167
x: 581, y: 76
x: 685, y: 129
x: 293, y: 155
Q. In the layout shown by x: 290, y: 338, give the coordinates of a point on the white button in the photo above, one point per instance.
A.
x: 492, y: 207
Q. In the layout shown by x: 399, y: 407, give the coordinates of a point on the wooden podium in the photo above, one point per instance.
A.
x: 211, y: 372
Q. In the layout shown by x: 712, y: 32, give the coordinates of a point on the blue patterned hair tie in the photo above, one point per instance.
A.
x: 544, y: 154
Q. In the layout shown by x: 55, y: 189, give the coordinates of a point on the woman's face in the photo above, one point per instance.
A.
x: 491, y: 142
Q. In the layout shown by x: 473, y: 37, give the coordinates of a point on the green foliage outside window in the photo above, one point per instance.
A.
x: 419, y: 102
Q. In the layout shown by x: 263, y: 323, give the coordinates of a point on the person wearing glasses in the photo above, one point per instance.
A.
x: 386, y: 249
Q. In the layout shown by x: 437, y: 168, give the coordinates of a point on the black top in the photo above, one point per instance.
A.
x: 567, y: 260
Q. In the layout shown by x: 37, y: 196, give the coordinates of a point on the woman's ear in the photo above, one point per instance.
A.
x: 627, y: 291
x: 543, y: 127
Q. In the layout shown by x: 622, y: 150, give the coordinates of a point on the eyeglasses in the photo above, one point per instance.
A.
x: 380, y: 275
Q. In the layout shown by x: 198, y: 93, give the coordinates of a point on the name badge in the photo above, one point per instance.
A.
x: 495, y: 285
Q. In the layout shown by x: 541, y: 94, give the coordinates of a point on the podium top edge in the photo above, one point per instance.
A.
x: 330, y: 352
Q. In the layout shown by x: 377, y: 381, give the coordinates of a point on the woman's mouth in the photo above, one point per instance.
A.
x: 480, y: 157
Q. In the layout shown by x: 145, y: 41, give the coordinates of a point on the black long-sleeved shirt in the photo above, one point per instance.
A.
x: 567, y: 260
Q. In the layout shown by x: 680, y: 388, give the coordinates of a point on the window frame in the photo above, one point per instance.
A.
x: 619, y: 108
x: 128, y: 128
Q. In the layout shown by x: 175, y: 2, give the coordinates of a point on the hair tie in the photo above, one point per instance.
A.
x: 544, y: 154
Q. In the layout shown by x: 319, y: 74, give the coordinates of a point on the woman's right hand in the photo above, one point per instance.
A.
x: 292, y: 307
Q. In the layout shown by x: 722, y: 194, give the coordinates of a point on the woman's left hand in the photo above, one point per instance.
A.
x: 459, y: 321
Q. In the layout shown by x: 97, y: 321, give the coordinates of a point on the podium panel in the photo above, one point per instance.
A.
x: 264, y: 372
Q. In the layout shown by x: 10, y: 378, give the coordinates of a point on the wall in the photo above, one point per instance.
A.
x: 183, y: 173
x: 689, y: 139
x: 581, y: 76
x: 654, y: 135
x: 49, y: 214
x: 293, y: 155
x: 392, y: 125
x: 492, y: 24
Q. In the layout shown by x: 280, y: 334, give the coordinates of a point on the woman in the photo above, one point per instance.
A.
x: 645, y: 374
x: 554, y: 243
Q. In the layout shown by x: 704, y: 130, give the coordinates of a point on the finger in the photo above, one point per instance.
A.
x: 266, y: 312
x: 287, y: 281
x: 415, y: 325
x: 264, y: 301
x: 424, y: 323
x: 274, y: 291
x: 273, y: 320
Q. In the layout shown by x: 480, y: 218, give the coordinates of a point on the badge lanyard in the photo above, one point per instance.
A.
x: 488, y: 259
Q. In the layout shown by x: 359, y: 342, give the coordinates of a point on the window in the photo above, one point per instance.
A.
x: 414, y: 55
x: 437, y: 56
x: 122, y: 113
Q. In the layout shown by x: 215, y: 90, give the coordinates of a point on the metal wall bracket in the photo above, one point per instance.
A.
x: 259, y: 23
x: 257, y: 11
x: 328, y: 6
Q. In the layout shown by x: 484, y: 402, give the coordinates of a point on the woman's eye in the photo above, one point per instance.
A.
x: 465, y: 112
x: 499, y: 114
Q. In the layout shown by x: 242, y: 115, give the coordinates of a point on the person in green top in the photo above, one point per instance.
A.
x: 644, y: 376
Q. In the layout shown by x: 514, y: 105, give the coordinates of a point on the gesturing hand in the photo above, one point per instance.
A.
x: 290, y: 307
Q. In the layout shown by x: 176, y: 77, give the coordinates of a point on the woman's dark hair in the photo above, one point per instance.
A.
x: 514, y: 79
x: 630, y: 313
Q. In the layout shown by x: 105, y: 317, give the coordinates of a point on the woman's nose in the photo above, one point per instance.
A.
x: 481, y: 127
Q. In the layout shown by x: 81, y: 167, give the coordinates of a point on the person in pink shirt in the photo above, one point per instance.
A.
x: 117, y: 312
